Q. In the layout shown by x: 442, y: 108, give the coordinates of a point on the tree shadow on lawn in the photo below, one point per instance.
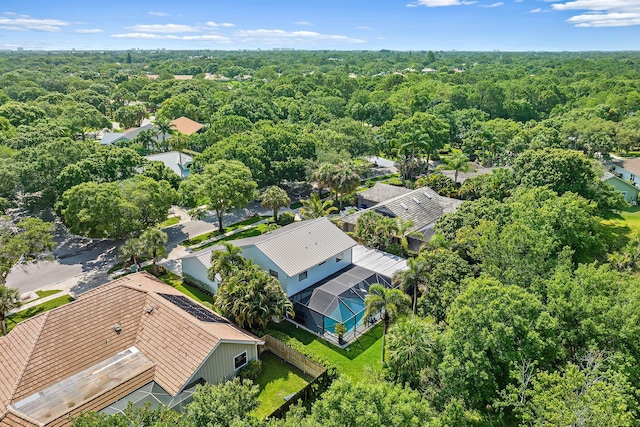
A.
x: 615, y: 232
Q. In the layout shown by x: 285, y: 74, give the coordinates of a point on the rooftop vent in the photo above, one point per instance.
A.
x: 405, y: 207
x: 117, y: 328
x: 427, y: 195
x: 415, y: 200
x: 149, y: 309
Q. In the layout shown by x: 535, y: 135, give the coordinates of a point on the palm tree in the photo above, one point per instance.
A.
x: 146, y: 138
x: 132, y: 250
x: 403, y: 232
x: 225, y: 261
x: 179, y: 142
x: 458, y: 162
x: 387, y: 301
x: 9, y: 300
x: 275, y: 198
x: 316, y: 208
x: 165, y: 127
x: 154, y: 241
x: 347, y: 181
x: 412, y: 145
x: 251, y: 297
x: 413, y: 280
x: 326, y: 177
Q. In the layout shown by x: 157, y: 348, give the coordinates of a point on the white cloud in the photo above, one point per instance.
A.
x: 159, y: 14
x: 220, y: 24
x: 163, y: 28
x: 435, y: 3
x: 497, y: 4
x: 274, y: 36
x: 150, y: 36
x: 538, y: 10
x: 24, y: 22
x: 88, y: 31
x: 305, y: 23
x: 602, y: 13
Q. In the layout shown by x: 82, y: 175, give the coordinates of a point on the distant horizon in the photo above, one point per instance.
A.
x: 397, y: 25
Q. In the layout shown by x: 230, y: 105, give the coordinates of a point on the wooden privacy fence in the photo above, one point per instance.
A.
x: 300, y: 361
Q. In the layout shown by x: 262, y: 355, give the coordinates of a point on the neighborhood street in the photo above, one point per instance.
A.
x: 80, y: 264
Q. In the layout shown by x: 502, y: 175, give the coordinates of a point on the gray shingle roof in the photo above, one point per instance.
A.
x: 295, y: 247
x: 381, y: 192
x: 422, y: 206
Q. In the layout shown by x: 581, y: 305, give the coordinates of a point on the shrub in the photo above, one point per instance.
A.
x: 286, y: 218
x: 251, y: 371
x: 395, y: 181
x: 439, y: 183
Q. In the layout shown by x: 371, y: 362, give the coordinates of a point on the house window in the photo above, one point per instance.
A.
x: 273, y: 273
x: 339, y: 257
x: 240, y: 360
x: 302, y: 276
x: 323, y: 262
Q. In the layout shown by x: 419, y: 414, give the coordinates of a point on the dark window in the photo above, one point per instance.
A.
x: 323, y: 262
x: 302, y: 276
x: 240, y: 360
x: 339, y: 257
x: 273, y: 273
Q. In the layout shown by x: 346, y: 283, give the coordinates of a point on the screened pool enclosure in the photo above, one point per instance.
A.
x: 337, y: 299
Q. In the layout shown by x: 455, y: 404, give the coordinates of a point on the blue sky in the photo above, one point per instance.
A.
x: 509, y: 25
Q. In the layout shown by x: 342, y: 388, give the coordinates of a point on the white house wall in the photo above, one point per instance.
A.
x: 193, y: 267
x: 291, y: 285
x: 627, y: 176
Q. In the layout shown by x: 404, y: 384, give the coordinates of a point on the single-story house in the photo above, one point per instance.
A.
x: 110, y: 138
x: 186, y: 126
x: 627, y: 169
x: 298, y: 255
x: 134, y: 339
x: 628, y: 190
x: 379, y: 193
x: 422, y: 206
x: 180, y: 163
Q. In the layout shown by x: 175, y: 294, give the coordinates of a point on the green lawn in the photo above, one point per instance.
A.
x: 277, y: 380
x: 175, y: 281
x: 43, y: 294
x: 353, y: 361
x: 620, y: 226
x: 201, y: 238
x: 252, y: 232
x: 18, y: 317
x: 169, y: 222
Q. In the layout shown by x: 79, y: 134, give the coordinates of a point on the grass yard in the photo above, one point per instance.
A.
x: 366, y: 352
x: 169, y: 222
x: 43, y: 294
x: 252, y: 232
x: 620, y: 226
x: 277, y: 380
x: 18, y: 317
x: 175, y: 281
x: 201, y: 238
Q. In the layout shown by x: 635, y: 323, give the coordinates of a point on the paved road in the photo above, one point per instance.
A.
x: 81, y: 264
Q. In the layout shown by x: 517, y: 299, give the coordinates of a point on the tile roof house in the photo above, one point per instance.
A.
x: 186, y: 126
x: 422, y: 206
x: 379, y: 193
x: 132, y: 337
x: 299, y: 254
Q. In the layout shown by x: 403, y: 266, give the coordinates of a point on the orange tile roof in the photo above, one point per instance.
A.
x: 186, y: 126
x: 53, y: 346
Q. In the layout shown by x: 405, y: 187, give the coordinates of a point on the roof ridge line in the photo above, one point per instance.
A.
x: 45, y: 316
x: 289, y: 231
